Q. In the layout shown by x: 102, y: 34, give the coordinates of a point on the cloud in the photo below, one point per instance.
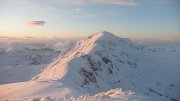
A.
x: 3, y: 37
x: 117, y: 2
x: 112, y: 2
x: 135, y: 2
x: 121, y: 2
x: 36, y: 23
x: 76, y: 2
x: 29, y: 37
x: 78, y: 9
x: 160, y: 2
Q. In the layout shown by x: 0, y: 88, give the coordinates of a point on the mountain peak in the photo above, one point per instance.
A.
x: 103, y: 34
x: 106, y: 32
x: 106, y: 37
x: 93, y: 50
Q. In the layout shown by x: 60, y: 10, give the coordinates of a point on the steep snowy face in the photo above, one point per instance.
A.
x: 93, y: 62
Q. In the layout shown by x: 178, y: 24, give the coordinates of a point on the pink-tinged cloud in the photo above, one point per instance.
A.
x: 36, y: 23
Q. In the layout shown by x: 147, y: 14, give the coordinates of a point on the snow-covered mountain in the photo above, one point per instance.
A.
x: 92, y: 61
x: 102, y: 62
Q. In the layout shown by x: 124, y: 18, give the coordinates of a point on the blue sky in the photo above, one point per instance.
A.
x: 136, y: 19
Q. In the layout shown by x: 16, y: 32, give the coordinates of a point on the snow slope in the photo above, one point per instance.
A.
x: 23, y: 90
x: 56, y: 91
x: 19, y: 73
x: 102, y: 62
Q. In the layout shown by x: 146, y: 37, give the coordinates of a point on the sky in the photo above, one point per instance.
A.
x: 73, y: 19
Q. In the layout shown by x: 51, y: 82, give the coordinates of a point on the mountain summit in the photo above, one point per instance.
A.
x: 107, y: 37
x: 92, y: 62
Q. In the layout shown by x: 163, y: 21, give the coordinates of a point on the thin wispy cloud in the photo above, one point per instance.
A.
x: 112, y: 2
x: 120, y: 2
x: 160, y: 2
x: 77, y: 2
x: 78, y: 9
x: 116, y: 2
x: 3, y: 37
x: 36, y: 23
x: 29, y: 37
